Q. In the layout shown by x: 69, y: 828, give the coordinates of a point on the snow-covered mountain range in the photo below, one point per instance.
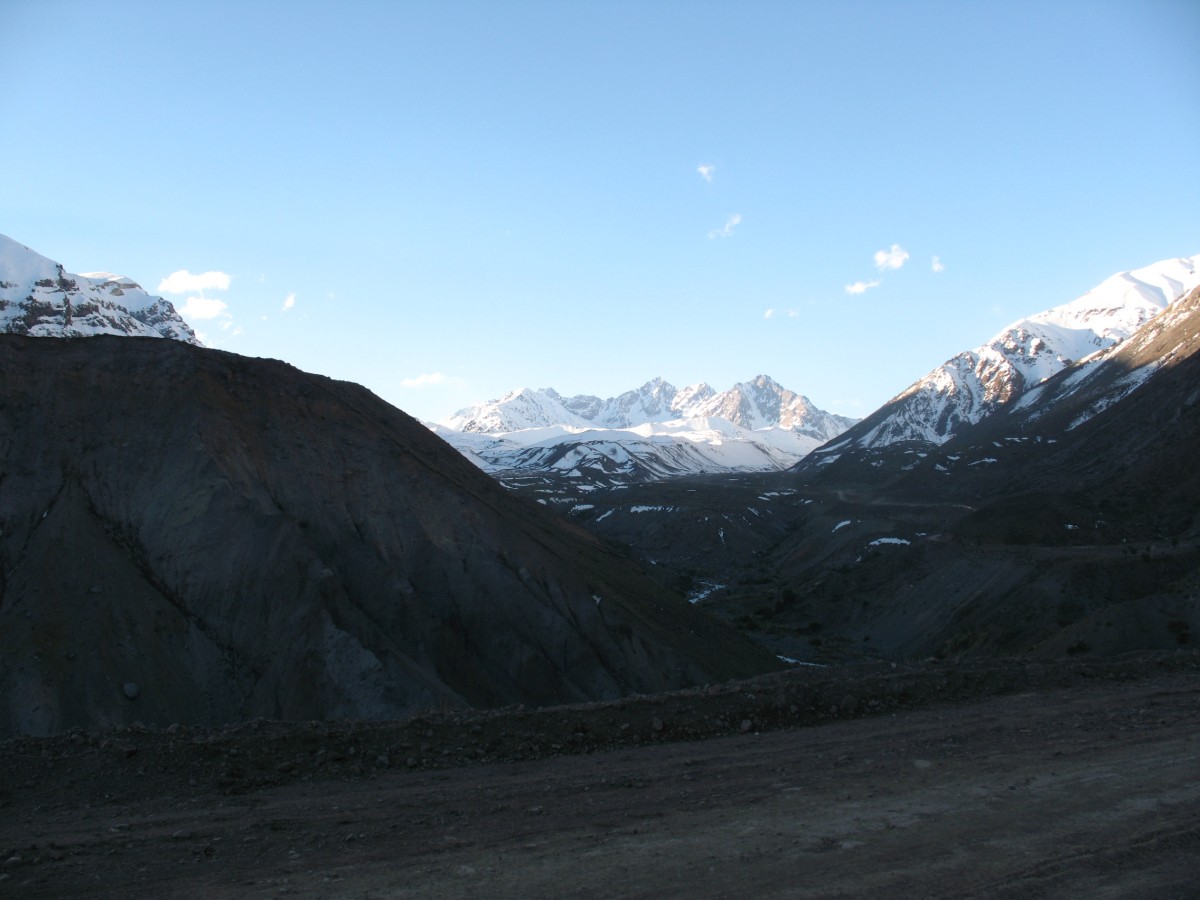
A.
x: 972, y: 385
x: 40, y: 299
x: 655, y: 431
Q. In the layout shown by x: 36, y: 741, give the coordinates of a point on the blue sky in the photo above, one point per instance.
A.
x: 461, y: 198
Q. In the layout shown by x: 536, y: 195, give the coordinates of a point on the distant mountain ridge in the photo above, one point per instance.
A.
x: 974, y: 384
x: 39, y: 298
x: 756, y: 404
x: 653, y: 432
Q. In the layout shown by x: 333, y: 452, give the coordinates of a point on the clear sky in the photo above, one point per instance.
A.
x: 447, y: 200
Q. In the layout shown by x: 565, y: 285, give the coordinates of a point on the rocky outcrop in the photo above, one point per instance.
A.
x: 39, y: 298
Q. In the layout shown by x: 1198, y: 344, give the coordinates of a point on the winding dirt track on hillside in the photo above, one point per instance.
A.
x: 1088, y: 790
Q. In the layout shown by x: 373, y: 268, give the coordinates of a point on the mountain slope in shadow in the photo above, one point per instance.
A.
x: 189, y: 535
x: 1064, y: 524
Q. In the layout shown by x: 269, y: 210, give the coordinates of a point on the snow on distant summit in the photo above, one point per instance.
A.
x: 757, y: 404
x: 40, y: 299
x: 975, y: 383
x: 655, y: 431
x: 516, y: 411
x: 764, y: 403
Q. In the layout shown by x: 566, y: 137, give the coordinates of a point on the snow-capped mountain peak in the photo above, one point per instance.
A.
x: 764, y: 403
x: 973, y: 384
x: 652, y: 402
x: 653, y: 431
x: 516, y: 411
x: 691, y: 397
x: 39, y: 298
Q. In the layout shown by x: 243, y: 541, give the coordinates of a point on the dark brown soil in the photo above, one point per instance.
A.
x: 1000, y: 778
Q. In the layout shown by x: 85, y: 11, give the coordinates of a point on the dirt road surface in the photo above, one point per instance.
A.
x: 1085, y: 785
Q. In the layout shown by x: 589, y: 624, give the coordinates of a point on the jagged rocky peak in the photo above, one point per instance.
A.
x: 761, y: 403
x: 647, y: 434
x: 692, y: 396
x: 764, y: 403
x: 652, y: 402
x: 39, y: 298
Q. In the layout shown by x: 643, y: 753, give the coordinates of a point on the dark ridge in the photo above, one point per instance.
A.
x: 187, y: 535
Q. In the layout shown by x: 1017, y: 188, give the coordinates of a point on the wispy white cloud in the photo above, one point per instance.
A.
x: 937, y: 265
x: 861, y: 287
x: 428, y: 379
x: 202, y: 308
x: 289, y: 301
x: 183, y: 281
x: 727, y: 229
x: 706, y: 171
x: 769, y: 313
x: 891, y: 259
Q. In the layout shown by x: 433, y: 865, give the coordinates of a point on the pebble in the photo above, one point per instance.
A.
x: 131, y: 690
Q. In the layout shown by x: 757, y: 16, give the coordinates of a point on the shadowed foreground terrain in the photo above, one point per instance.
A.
x: 986, y: 778
x: 192, y: 536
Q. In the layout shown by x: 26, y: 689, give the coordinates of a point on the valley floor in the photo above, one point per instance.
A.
x: 1006, y: 779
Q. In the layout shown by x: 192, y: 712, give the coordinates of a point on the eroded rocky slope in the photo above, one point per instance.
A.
x: 191, y: 536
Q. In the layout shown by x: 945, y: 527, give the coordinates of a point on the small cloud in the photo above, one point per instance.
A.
x: 202, y: 308
x: 237, y: 331
x: 793, y: 313
x: 706, y: 172
x: 727, y: 229
x: 427, y: 380
x: 891, y: 259
x: 861, y: 287
x: 937, y: 265
x: 768, y: 313
x: 183, y: 281
x: 290, y: 301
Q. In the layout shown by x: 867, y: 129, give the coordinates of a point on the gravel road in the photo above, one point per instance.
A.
x: 1082, y: 782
